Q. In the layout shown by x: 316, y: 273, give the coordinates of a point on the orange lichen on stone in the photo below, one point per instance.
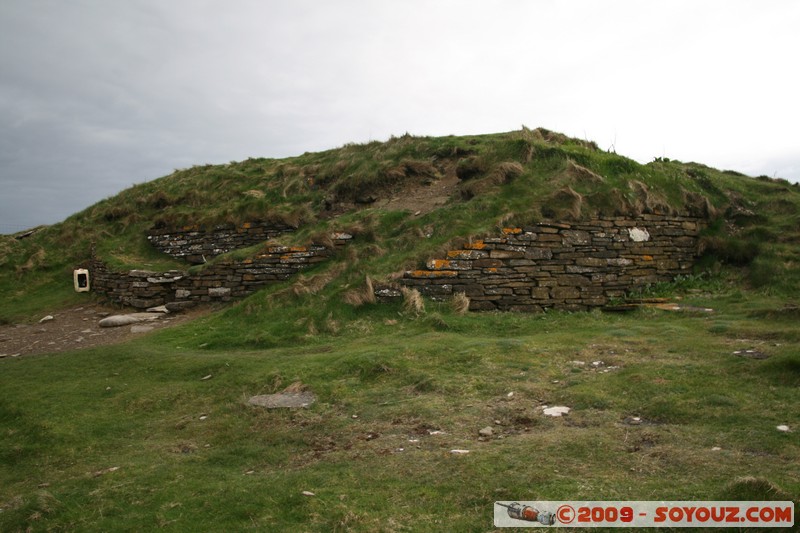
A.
x: 248, y: 261
x: 647, y: 257
x: 298, y: 249
x: 512, y: 231
x: 432, y: 274
x: 466, y: 255
x: 475, y: 245
x: 247, y: 225
x: 491, y: 270
x: 439, y: 264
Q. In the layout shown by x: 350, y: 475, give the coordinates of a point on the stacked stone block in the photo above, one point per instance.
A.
x: 573, y: 266
x: 196, y: 245
x: 222, y: 281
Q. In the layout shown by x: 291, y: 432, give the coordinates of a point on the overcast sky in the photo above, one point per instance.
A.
x: 98, y: 95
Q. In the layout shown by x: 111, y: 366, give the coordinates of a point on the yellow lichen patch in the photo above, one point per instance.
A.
x: 248, y: 261
x: 475, y: 245
x: 433, y: 274
x: 247, y: 225
x: 298, y: 249
x: 512, y: 231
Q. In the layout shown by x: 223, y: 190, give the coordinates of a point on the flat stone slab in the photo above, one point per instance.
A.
x: 291, y: 400
x: 751, y: 354
x: 125, y: 320
x: 556, y: 410
x: 177, y: 307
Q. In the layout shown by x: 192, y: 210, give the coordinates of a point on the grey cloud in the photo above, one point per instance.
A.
x: 96, y: 96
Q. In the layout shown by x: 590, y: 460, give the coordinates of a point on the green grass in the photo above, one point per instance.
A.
x: 112, y: 438
x: 67, y: 420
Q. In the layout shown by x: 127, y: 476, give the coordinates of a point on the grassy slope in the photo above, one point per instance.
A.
x: 511, y: 178
x: 137, y: 408
x: 65, y: 420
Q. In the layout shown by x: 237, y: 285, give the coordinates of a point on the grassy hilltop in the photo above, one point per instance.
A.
x: 375, y: 190
x: 131, y: 437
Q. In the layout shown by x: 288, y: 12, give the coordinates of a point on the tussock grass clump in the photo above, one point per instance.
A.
x: 576, y: 173
x: 411, y: 168
x: 564, y: 204
x: 255, y: 193
x: 754, y: 489
x: 360, y: 296
x: 412, y: 301
x: 35, y: 260
x: 501, y: 174
x: 646, y: 200
x: 470, y: 167
x: 6, y: 245
x: 508, y: 170
x: 314, y: 284
x: 730, y: 250
x: 460, y: 303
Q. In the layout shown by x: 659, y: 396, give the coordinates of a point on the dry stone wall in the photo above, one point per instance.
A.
x: 572, y: 266
x: 196, y: 245
x: 222, y: 281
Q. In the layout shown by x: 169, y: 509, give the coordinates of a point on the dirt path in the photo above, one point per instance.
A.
x: 77, y: 328
x: 423, y: 199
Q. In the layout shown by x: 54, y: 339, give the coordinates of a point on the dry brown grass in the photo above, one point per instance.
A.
x: 699, y: 205
x: 414, y: 167
x: 323, y: 238
x: 507, y: 171
x: 297, y: 386
x: 646, y: 200
x: 460, y: 303
x: 34, y: 261
x: 575, y: 173
x: 502, y: 173
x: 332, y: 325
x: 544, y: 135
x: 363, y: 229
x: 412, y: 301
x: 255, y: 193
x: 314, y: 284
x: 6, y: 245
x: 395, y: 174
x: 362, y: 295
x: 564, y: 204
x: 411, y: 168
x: 295, y: 185
x: 295, y: 218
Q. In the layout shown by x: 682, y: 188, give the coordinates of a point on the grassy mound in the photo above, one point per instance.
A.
x: 501, y: 179
x: 157, y: 433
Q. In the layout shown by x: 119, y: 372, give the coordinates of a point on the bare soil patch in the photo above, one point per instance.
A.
x: 423, y: 199
x: 77, y: 328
